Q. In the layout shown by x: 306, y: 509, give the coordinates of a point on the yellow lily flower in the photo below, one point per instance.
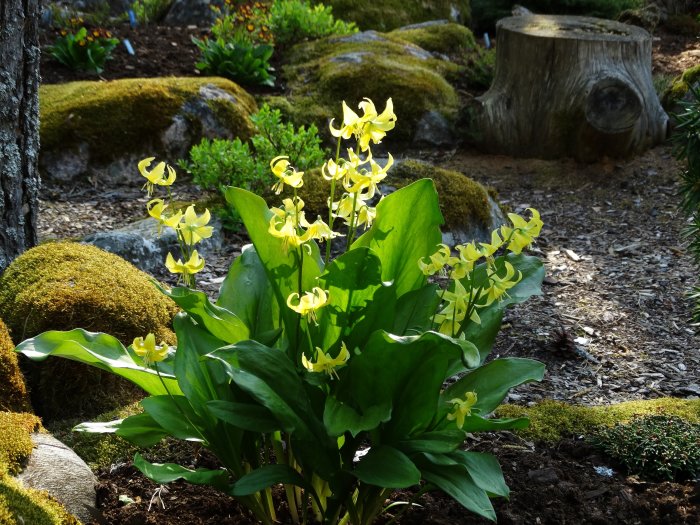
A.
x: 462, y: 408
x: 366, y: 215
x: 326, y: 363
x: 285, y: 228
x: 332, y: 171
x: 309, y: 303
x: 523, y: 232
x: 499, y: 285
x: 368, y: 180
x: 375, y: 126
x: 451, y: 317
x: 281, y: 169
x: 351, y: 121
x: 318, y: 230
x: 441, y: 258
x: 194, y: 228
x: 157, y: 175
x: 193, y: 265
x: 468, y: 255
x: 156, y: 209
x: 148, y: 350
x: 487, y: 250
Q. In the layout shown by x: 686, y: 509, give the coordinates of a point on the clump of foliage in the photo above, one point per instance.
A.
x: 293, y: 21
x: 13, y: 391
x: 327, y: 375
x: 239, y: 60
x: 148, y: 11
x: 85, y: 50
x: 686, y: 140
x: 656, y: 447
x: 247, y: 20
x: 218, y: 163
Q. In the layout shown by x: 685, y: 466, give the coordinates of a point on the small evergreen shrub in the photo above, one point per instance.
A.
x: 292, y: 21
x: 241, y: 61
x: 84, y: 50
x: 656, y: 447
x: 148, y: 11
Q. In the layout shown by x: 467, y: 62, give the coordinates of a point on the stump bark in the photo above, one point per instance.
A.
x: 571, y: 86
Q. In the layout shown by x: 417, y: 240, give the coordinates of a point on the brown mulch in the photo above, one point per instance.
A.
x: 612, y: 323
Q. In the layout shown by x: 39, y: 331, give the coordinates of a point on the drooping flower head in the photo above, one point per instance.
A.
x: 326, y: 363
x: 156, y: 176
x: 309, y: 303
x: 462, y: 408
x: 523, y: 232
x: 192, y: 266
x: 193, y: 228
x: 148, y: 350
x: 286, y: 174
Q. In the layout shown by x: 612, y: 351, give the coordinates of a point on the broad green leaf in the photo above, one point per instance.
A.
x: 455, y: 481
x: 415, y: 310
x: 281, y: 264
x: 246, y: 416
x: 484, y: 471
x: 339, y: 417
x: 483, y: 335
x: 175, y: 415
x: 387, y: 467
x: 476, y: 423
x: 491, y: 382
x: 263, y: 477
x: 98, y: 427
x: 220, y: 322
x: 141, y: 430
x: 436, y: 442
x: 407, y: 229
x: 247, y: 292
x: 167, y: 472
x: 102, y: 351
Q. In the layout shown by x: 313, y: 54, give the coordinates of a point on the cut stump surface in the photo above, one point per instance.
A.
x: 571, y: 86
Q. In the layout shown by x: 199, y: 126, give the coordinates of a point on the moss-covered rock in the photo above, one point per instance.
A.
x: 21, y: 506
x: 100, y: 128
x: 390, y: 14
x: 61, y: 286
x: 323, y: 73
x: 550, y: 420
x: 438, y: 36
x: 13, y: 391
x: 680, y: 86
x: 15, y: 439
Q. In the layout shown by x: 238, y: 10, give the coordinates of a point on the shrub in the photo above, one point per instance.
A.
x: 84, y: 50
x: 148, y: 11
x: 246, y: 21
x: 656, y: 447
x: 13, y: 392
x: 292, y: 21
x: 240, y: 61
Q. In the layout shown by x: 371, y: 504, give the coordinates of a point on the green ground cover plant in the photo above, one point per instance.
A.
x: 85, y: 50
x: 328, y: 374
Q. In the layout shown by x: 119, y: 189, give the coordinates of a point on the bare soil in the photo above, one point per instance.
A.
x: 612, y: 323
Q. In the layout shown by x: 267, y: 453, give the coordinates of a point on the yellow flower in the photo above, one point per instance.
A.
x: 487, y: 250
x: 332, y: 171
x: 499, y: 285
x: 157, y: 175
x: 309, y: 303
x: 156, y: 209
x: 375, y: 126
x: 451, y: 317
x: 285, y: 228
x: 462, y: 408
x: 523, y: 232
x: 326, y: 363
x: 194, y: 228
x: 438, y: 260
x: 148, y: 350
x: 368, y: 180
x: 318, y: 230
x: 350, y: 123
x: 287, y: 175
x: 366, y: 215
x: 193, y: 265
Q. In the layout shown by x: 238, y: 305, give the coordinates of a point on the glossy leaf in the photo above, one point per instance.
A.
x: 141, y: 430
x: 387, y: 467
x: 167, y: 472
x: 435, y: 442
x: 175, y: 415
x: 340, y: 417
x: 263, y: 477
x: 415, y: 310
x: 484, y: 471
x: 246, y: 416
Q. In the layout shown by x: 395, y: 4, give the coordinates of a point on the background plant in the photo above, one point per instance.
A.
x: 148, y: 11
x: 241, y: 61
x: 327, y: 374
x: 293, y: 21
x: 84, y: 50
x: 686, y: 140
x: 657, y: 447
x: 242, y: 21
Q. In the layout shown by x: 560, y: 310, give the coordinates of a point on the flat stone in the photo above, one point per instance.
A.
x: 544, y: 476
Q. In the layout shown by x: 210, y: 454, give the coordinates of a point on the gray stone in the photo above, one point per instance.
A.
x: 423, y: 25
x: 361, y: 38
x: 190, y: 12
x: 64, y: 165
x: 55, y: 468
x: 140, y: 244
x: 476, y: 232
x: 544, y: 476
x: 351, y: 58
x: 433, y: 129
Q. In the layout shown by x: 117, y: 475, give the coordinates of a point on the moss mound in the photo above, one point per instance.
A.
x: 323, y: 73
x: 128, y: 115
x: 550, y: 420
x: 13, y: 392
x: 390, y: 14
x: 22, y: 506
x: 61, y: 286
x: 445, y: 38
x: 679, y: 87
x: 15, y: 440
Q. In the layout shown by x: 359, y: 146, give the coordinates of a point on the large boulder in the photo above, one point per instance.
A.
x: 100, y: 130
x: 13, y: 392
x: 390, y: 14
x: 61, y: 286
x: 323, y: 73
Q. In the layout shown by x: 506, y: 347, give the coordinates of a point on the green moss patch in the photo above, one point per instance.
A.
x: 15, y: 440
x: 390, y: 14
x: 680, y: 86
x: 122, y: 116
x: 550, y: 421
x: 13, y: 391
x: 22, y: 506
x: 448, y: 39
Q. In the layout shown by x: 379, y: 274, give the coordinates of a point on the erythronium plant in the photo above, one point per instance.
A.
x: 327, y: 375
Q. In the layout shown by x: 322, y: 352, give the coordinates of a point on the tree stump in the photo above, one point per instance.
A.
x: 571, y: 86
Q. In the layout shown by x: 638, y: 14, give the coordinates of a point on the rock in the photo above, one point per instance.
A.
x: 390, y: 14
x: 647, y: 17
x: 147, y: 117
x: 545, y: 476
x: 57, y: 469
x: 441, y: 38
x: 184, y: 13
x: 519, y: 10
x: 679, y: 89
x: 433, y: 130
x: 140, y: 244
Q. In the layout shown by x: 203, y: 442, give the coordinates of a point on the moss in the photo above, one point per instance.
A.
x: 61, y: 286
x: 22, y: 506
x: 321, y: 74
x: 679, y: 86
x: 13, y: 392
x: 15, y: 439
x: 390, y: 14
x: 129, y: 114
x: 448, y: 39
x: 550, y: 420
